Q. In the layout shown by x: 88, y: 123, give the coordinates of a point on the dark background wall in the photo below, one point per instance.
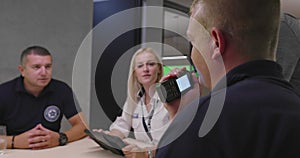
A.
x: 110, y: 88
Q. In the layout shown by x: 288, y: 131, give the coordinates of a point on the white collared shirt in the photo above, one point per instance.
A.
x: 159, y: 122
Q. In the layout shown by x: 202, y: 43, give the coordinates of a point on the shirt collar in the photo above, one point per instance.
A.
x: 257, y: 68
x: 20, y: 85
x: 21, y: 88
x: 141, y: 92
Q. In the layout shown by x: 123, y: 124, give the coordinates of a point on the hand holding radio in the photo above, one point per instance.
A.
x: 178, y: 89
x: 172, y: 88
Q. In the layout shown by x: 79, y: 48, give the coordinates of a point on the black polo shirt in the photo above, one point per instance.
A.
x: 260, y: 118
x: 21, y: 111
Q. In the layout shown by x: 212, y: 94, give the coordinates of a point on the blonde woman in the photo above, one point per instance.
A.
x: 143, y: 110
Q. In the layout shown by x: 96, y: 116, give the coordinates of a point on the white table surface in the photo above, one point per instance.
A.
x: 84, y: 148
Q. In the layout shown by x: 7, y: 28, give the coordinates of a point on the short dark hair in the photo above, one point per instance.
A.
x: 254, y: 24
x: 36, y: 50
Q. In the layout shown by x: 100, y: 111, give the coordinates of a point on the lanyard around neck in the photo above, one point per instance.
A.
x: 147, y: 126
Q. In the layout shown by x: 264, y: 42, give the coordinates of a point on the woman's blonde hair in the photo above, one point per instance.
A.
x: 133, y: 86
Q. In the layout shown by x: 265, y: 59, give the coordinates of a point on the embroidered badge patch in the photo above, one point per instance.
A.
x: 51, y: 113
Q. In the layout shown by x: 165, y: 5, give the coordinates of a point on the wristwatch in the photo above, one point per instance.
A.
x: 63, y: 139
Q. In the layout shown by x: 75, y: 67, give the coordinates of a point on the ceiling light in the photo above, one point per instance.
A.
x: 174, y: 57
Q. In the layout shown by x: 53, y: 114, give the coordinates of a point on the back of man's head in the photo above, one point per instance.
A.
x: 251, y: 24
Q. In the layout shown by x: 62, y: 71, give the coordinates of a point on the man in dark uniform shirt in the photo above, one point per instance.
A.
x: 32, y: 105
x: 251, y: 111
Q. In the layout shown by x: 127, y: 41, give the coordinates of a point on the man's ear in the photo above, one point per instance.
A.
x: 219, y: 42
x: 21, y: 69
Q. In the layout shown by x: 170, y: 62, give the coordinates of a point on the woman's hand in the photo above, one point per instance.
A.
x: 176, y: 105
x: 133, y: 151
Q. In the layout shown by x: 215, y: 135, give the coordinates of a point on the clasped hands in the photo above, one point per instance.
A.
x: 37, y: 138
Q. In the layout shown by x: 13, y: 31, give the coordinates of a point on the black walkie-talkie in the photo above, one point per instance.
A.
x: 174, y: 87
